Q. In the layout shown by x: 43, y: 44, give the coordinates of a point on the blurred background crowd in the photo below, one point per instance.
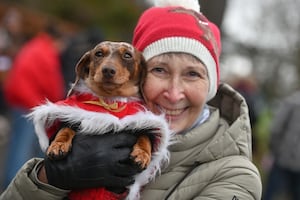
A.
x: 260, y: 58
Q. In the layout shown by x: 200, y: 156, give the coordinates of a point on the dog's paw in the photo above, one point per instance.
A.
x: 58, y: 150
x: 140, y: 157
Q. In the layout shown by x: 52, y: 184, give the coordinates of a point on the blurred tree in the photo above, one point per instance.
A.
x: 214, y: 10
x: 116, y: 18
x: 33, y: 20
x: 269, y: 37
x: 281, y: 23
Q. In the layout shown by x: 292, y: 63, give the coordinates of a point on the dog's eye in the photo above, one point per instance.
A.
x: 127, y: 55
x: 99, y: 54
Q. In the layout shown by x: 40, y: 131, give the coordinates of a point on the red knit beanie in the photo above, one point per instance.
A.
x: 178, y: 26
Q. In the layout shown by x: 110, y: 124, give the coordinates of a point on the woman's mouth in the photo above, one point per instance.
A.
x: 172, y: 113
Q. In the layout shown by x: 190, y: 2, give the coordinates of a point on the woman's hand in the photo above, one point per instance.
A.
x: 95, y: 161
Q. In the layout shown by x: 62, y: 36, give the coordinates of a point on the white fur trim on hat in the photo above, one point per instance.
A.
x: 189, y: 46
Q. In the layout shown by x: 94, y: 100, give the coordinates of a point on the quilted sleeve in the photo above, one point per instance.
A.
x: 232, y: 178
x: 26, y: 186
x: 237, y: 178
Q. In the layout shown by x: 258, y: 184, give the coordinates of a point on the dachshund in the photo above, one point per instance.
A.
x: 111, y: 69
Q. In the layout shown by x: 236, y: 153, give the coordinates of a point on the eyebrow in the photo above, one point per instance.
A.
x: 202, y: 69
x: 158, y: 63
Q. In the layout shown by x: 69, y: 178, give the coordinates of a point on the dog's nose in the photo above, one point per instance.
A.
x: 108, y: 71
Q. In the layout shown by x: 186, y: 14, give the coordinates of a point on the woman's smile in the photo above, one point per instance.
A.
x: 173, y: 114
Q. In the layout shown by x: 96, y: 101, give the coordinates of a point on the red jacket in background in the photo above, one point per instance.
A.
x: 35, y: 75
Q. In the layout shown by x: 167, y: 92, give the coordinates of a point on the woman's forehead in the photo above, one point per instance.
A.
x: 174, y: 56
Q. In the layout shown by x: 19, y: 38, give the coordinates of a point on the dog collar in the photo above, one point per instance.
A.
x: 113, y: 106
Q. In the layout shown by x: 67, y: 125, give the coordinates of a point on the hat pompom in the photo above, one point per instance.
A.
x: 188, y: 4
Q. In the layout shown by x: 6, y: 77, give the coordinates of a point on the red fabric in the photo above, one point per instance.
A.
x: 35, y: 74
x: 95, y: 194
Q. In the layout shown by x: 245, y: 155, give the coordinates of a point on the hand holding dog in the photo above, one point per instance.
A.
x: 95, y: 161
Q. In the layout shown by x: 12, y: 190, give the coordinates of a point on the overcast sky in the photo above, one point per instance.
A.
x: 239, y: 19
x: 271, y: 24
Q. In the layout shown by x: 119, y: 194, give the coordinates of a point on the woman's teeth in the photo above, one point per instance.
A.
x: 172, y: 112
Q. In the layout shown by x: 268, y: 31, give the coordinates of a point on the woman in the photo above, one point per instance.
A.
x: 212, y: 156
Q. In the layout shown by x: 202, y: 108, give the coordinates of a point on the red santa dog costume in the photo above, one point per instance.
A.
x: 97, y: 116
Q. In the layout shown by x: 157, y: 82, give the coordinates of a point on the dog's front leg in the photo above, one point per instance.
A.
x: 61, y: 144
x: 141, y: 153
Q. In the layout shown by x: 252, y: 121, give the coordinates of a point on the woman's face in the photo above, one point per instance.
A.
x: 177, y: 85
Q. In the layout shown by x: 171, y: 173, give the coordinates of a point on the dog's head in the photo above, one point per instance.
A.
x: 112, y: 69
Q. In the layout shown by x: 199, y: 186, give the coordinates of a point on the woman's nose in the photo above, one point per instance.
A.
x: 174, y: 92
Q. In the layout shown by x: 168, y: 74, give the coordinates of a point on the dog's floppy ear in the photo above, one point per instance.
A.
x: 83, y: 66
x: 82, y: 69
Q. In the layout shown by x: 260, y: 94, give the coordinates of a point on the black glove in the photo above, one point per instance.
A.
x: 95, y: 161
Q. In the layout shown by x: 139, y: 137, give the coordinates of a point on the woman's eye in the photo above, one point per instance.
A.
x: 194, y: 74
x: 158, y: 70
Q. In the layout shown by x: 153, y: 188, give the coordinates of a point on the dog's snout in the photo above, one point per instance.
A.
x: 108, y: 71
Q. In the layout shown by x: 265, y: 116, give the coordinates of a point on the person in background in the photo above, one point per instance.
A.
x: 35, y: 76
x: 11, y: 39
x: 284, y: 177
x: 211, y: 158
x: 248, y: 87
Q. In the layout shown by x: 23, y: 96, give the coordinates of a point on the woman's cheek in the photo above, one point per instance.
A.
x: 151, y: 91
x: 149, y: 86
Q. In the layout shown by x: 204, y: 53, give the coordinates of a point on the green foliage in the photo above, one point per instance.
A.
x: 116, y: 18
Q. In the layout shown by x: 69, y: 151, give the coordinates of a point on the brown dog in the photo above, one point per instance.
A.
x: 111, y: 69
